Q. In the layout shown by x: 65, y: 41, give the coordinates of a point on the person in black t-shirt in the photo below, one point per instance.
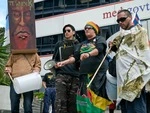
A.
x: 50, y: 92
x: 67, y: 77
x: 90, y: 53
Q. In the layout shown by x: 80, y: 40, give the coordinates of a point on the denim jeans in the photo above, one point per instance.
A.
x: 49, y: 99
x: 137, y: 106
x: 15, y: 101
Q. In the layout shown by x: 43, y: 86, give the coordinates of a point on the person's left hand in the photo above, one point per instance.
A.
x: 84, y: 56
x: 35, y: 70
x: 59, y: 64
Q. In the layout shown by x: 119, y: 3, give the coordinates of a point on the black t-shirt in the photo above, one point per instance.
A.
x: 49, y: 79
x: 90, y: 64
x: 69, y: 69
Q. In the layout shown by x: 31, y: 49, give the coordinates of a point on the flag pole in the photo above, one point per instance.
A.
x: 99, y: 67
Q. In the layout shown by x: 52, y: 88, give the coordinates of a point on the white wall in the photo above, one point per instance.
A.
x: 44, y: 59
x: 4, y: 98
x: 38, y: 1
x: 54, y: 24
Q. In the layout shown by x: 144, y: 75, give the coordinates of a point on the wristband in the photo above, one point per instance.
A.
x: 89, y: 54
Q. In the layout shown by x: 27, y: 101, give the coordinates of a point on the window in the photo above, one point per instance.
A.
x: 39, y: 6
x: 85, y: 1
x: 46, y: 44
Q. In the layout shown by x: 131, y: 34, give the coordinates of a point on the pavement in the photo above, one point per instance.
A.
x: 38, y: 111
x: 38, y: 106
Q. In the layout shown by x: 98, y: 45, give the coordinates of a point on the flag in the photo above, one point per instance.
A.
x: 92, y: 102
x: 136, y: 19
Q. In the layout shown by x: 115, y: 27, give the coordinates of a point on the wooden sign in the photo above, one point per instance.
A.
x: 22, y: 26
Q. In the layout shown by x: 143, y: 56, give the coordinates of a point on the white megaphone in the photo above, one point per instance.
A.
x: 49, y: 64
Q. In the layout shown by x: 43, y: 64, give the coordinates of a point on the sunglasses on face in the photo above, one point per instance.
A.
x: 67, y: 30
x: 88, y: 27
x: 122, y: 19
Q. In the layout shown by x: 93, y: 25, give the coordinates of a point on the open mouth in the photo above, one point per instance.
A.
x: 23, y: 35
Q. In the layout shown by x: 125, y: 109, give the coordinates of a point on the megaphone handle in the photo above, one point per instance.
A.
x: 10, y: 77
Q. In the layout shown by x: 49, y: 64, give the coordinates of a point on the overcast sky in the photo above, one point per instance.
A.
x: 3, y: 12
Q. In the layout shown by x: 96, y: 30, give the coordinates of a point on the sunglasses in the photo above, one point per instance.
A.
x: 88, y: 27
x: 122, y: 19
x: 67, y: 30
